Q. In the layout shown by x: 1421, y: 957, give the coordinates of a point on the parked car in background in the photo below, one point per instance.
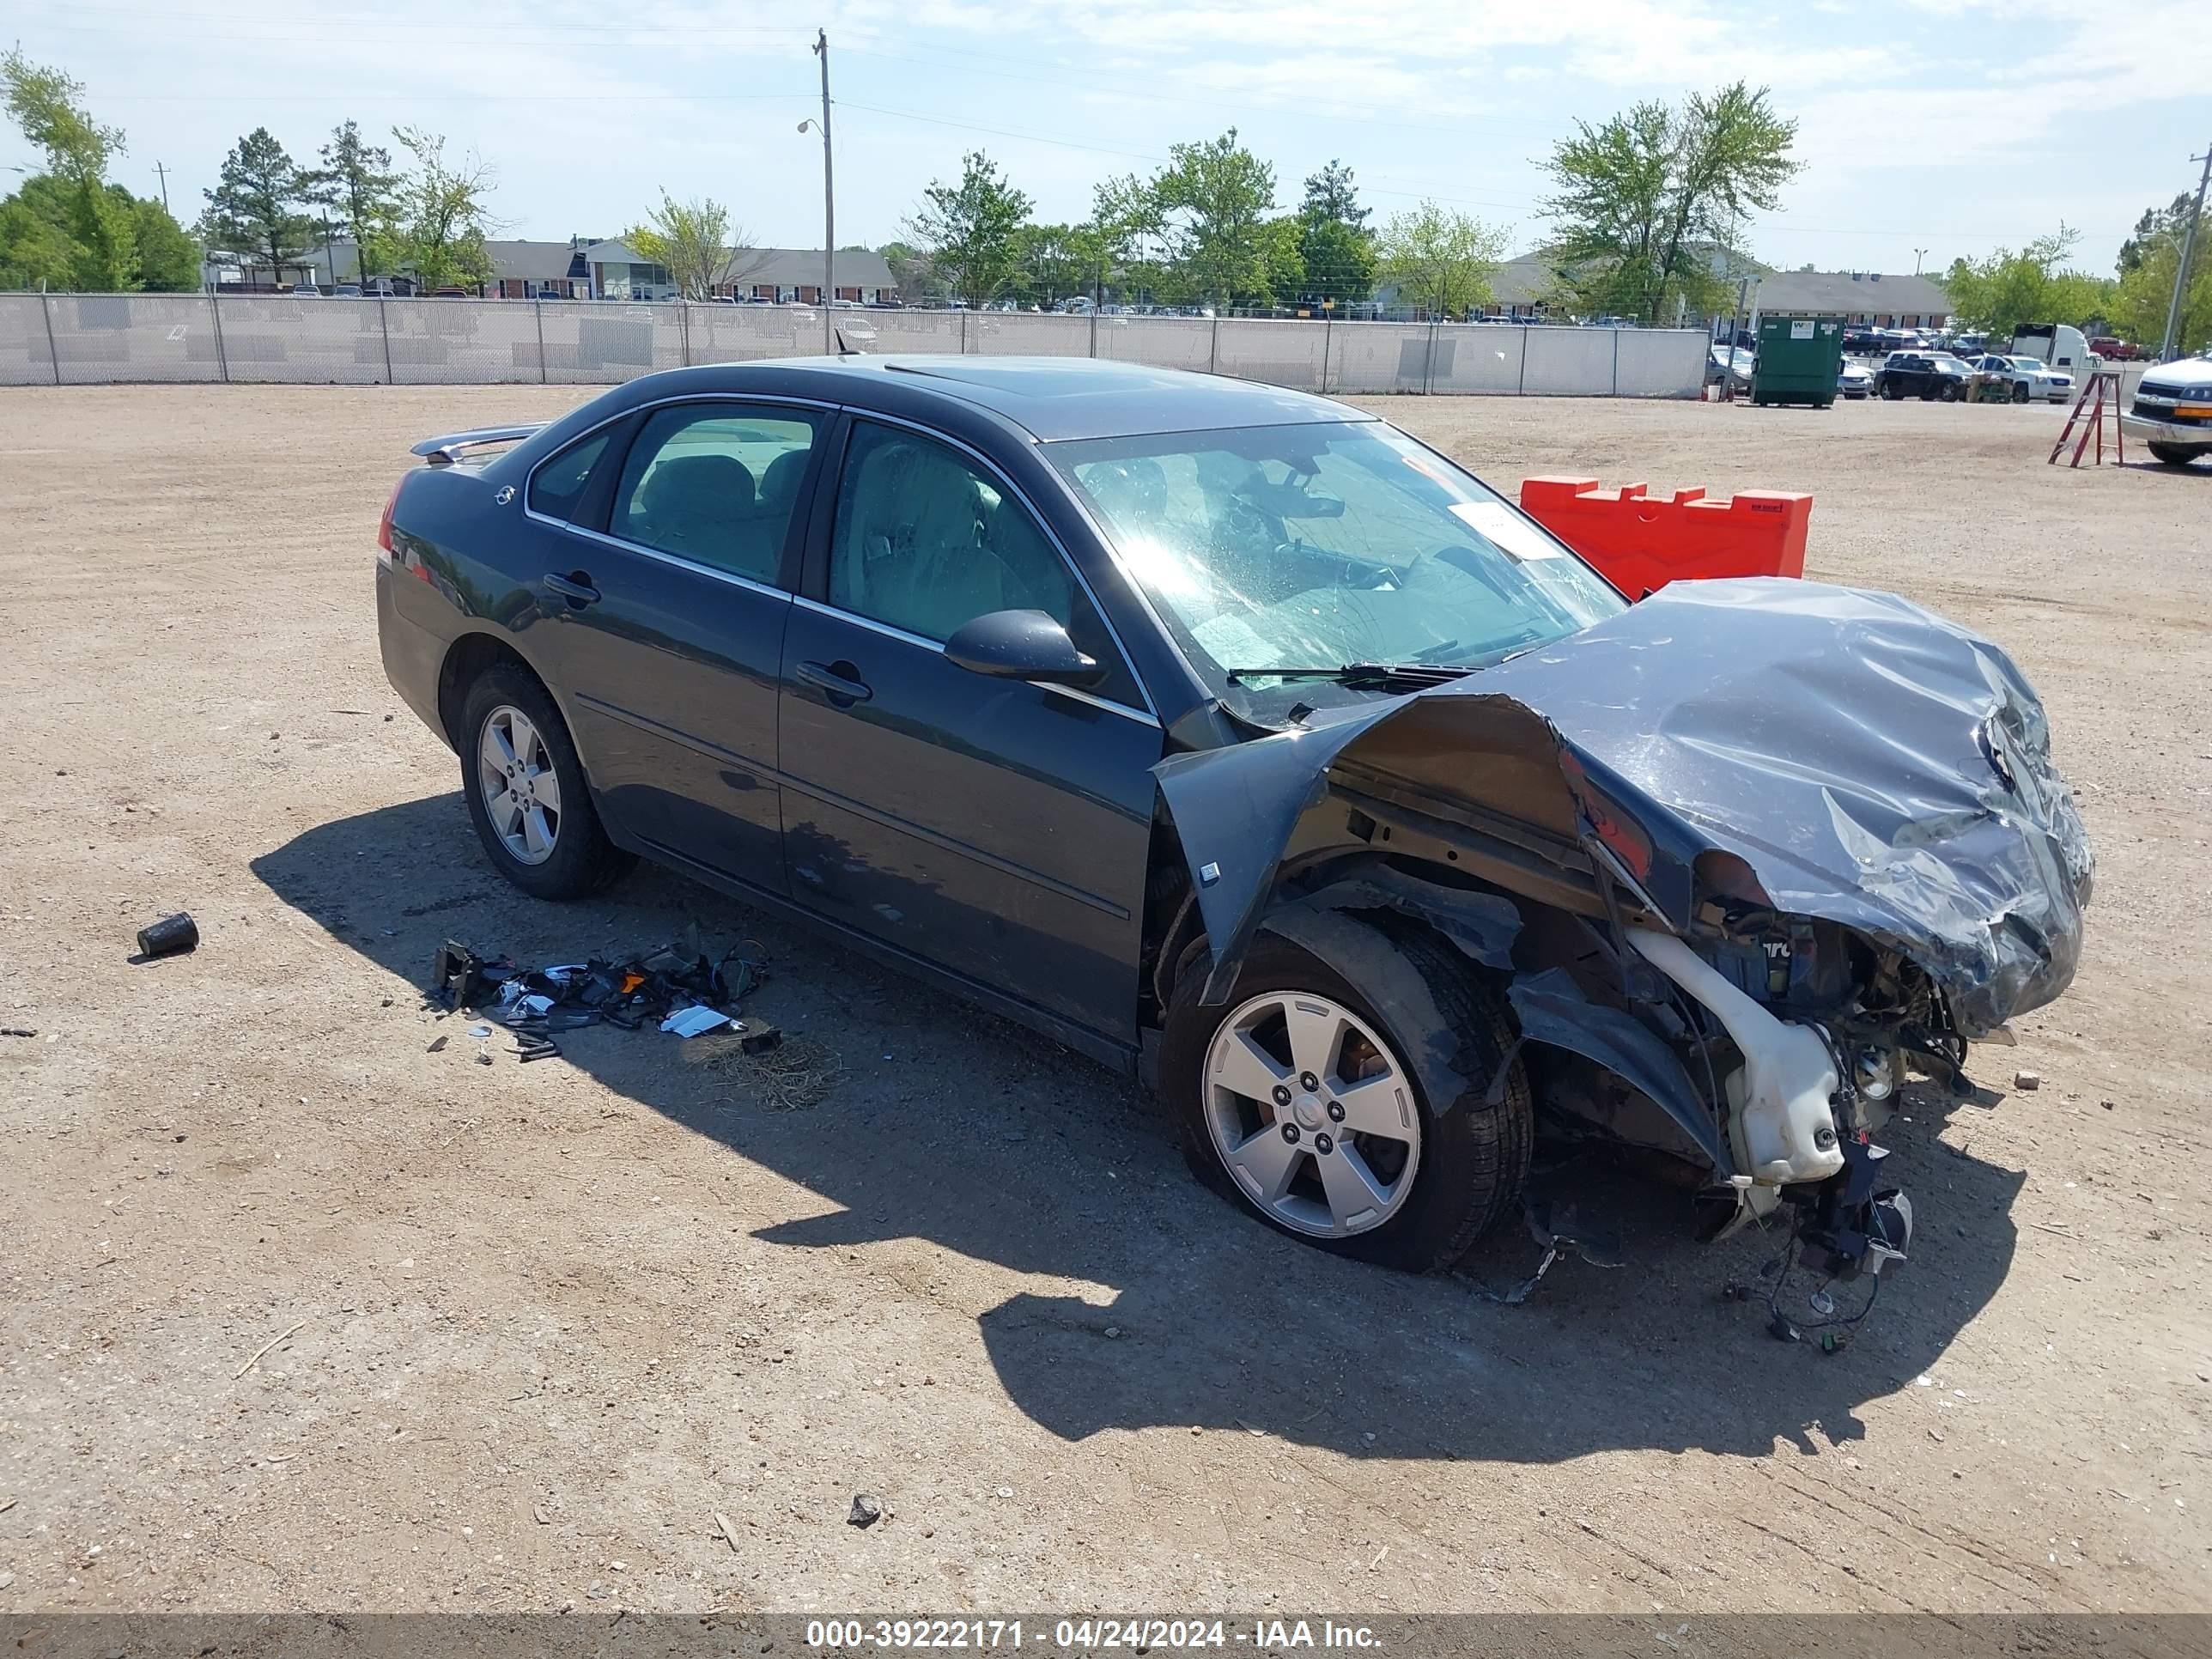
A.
x: 1927, y: 374
x: 306, y: 291
x: 2172, y: 410
x: 1232, y: 736
x: 2033, y: 381
x: 1734, y: 366
x: 2115, y: 351
x: 346, y: 291
x: 1968, y: 345
x: 1853, y: 380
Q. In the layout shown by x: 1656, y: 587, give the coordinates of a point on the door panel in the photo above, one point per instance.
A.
x: 666, y: 637
x: 996, y: 828
x: 671, y: 677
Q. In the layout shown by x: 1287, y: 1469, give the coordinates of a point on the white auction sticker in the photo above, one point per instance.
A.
x: 1506, y: 530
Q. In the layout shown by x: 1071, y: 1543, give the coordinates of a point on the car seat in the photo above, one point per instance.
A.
x: 701, y: 506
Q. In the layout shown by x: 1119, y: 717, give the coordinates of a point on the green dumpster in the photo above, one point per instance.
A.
x: 1799, y: 358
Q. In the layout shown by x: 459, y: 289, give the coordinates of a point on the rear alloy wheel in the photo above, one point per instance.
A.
x: 526, y: 791
x: 1948, y: 392
x: 1298, y: 1102
x: 520, y: 786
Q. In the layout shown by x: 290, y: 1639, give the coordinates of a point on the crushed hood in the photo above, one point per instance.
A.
x: 1875, y: 766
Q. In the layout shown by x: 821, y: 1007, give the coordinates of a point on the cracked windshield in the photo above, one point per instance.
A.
x: 1306, y: 549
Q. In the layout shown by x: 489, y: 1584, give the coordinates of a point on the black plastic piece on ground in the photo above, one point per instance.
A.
x: 169, y: 936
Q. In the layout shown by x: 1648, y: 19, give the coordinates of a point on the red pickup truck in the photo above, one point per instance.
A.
x: 2115, y: 351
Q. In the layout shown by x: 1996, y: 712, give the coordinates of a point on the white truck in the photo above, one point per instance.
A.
x: 2065, y: 350
x: 2172, y: 410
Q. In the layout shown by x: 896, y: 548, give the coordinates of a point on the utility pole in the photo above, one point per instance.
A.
x: 829, y: 203
x: 162, y: 173
x: 1918, y: 254
x: 2168, y: 345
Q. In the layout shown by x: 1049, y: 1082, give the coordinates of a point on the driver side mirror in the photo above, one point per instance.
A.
x: 1022, y: 645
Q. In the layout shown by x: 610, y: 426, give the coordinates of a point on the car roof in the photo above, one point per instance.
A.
x: 1055, y: 399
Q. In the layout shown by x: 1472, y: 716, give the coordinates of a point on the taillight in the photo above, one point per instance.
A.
x: 385, y: 550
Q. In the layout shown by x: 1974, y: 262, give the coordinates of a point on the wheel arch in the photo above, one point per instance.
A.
x: 466, y: 657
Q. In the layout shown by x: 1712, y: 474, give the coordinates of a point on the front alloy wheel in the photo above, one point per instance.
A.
x: 521, y: 789
x: 1301, y: 1102
x: 1312, y: 1114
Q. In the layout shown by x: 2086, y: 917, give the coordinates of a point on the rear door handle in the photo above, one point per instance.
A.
x: 575, y: 587
x: 837, y: 682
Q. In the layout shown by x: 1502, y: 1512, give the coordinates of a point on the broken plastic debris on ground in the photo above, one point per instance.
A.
x: 680, y: 988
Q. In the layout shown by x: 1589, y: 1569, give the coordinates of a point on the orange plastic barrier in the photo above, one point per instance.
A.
x: 1642, y: 545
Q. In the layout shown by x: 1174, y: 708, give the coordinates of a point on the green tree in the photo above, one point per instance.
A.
x: 253, y: 210
x: 1439, y: 260
x: 443, y: 217
x: 1282, y: 261
x: 1334, y: 244
x: 39, y: 247
x: 1638, y: 199
x: 971, y: 229
x: 1127, y: 236
x: 2030, y: 284
x: 692, y: 243
x: 911, y: 269
x: 357, y: 187
x: 1215, y: 196
x: 168, y: 259
x: 1331, y: 196
x: 97, y: 250
x: 1054, y: 263
x: 2148, y: 262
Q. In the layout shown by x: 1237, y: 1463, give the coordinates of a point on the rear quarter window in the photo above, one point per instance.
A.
x: 556, y: 489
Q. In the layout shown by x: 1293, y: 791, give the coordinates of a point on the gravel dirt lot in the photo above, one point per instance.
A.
x: 541, y: 1326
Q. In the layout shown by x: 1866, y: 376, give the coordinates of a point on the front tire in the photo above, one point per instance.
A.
x: 2020, y: 391
x: 1331, y: 1137
x: 2173, y: 454
x: 526, y: 791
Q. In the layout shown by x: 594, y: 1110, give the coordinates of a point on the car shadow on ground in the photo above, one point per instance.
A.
x: 963, y: 1130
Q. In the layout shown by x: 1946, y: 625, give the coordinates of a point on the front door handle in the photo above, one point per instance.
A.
x: 839, y: 681
x: 575, y: 587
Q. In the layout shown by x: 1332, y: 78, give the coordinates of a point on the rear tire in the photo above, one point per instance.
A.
x: 1891, y: 392
x: 1472, y: 1159
x: 581, y: 860
x: 1948, y: 392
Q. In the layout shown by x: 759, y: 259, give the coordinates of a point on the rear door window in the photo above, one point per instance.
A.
x: 716, y: 483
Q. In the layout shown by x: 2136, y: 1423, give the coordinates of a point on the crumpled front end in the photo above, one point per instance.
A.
x: 1814, y: 836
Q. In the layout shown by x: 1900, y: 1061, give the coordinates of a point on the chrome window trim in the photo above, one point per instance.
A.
x: 1044, y: 528
x: 1141, y: 716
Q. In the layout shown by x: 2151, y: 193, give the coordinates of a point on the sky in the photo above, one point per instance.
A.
x: 1927, y: 128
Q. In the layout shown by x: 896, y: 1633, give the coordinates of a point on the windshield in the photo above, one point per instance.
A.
x: 1305, y: 547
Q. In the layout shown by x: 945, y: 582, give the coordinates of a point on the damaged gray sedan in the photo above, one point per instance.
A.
x: 1232, y: 735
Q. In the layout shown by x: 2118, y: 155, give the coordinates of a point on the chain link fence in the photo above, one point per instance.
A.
x: 97, y: 339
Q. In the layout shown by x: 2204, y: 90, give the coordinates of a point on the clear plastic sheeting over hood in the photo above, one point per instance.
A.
x: 1875, y: 765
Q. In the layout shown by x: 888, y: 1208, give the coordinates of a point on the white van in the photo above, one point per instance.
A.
x: 2062, y: 348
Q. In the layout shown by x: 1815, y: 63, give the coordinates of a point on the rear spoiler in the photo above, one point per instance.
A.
x: 444, y: 452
